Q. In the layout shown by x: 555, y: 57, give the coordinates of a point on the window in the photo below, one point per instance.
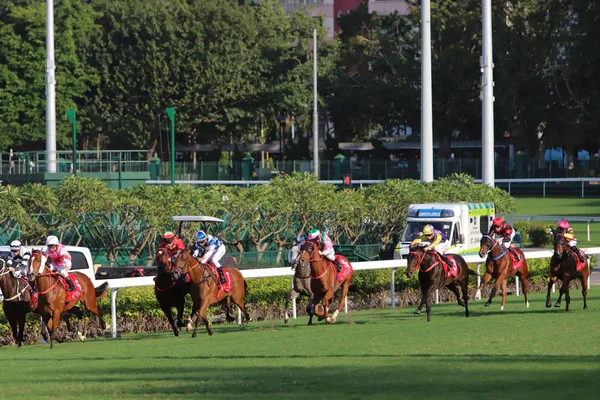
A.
x: 484, y: 224
x: 79, y: 261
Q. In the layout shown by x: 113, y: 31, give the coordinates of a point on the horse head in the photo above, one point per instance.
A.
x: 37, y: 264
x: 163, y: 261
x: 416, y: 255
x: 486, y: 245
x: 184, y: 262
x: 560, y: 245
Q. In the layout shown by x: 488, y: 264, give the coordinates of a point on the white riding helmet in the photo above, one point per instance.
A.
x: 15, y: 246
x: 52, y: 240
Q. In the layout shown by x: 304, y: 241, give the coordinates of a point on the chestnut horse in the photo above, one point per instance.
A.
x: 204, y: 288
x: 170, y: 292
x: 323, y: 281
x: 52, y: 295
x: 563, y: 266
x: 432, y: 276
x: 499, y: 265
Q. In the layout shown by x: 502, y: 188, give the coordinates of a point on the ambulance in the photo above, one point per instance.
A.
x: 463, y: 223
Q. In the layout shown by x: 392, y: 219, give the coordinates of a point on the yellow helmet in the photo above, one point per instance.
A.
x: 427, y: 230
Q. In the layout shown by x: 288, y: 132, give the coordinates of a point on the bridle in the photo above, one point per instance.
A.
x: 484, y: 240
x: 4, y: 271
x: 420, y: 257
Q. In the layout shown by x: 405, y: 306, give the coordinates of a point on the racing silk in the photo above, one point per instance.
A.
x: 438, y: 238
x: 174, y: 247
x: 506, y: 231
x: 61, y: 259
x: 569, y: 236
x: 210, y: 247
x: 19, y: 262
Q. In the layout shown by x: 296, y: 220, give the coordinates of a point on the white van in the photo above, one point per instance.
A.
x: 463, y: 223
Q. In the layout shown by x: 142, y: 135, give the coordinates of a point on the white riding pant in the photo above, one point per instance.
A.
x: 330, y: 254
x: 217, y: 255
x: 61, y: 269
x: 442, y: 247
x: 572, y: 243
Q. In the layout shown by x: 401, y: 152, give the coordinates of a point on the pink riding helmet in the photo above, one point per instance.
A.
x: 563, y: 224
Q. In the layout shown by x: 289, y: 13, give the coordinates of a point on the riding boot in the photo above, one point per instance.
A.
x: 71, y: 286
x: 32, y: 286
x: 514, y: 252
x: 337, y: 264
x: 222, y: 279
x: 446, y: 260
x: 579, y: 255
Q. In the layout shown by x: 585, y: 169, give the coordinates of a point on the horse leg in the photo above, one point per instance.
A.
x: 202, y: 315
x: 326, y: 302
x: 584, y: 288
x: 551, y: 282
x: 497, y: 284
x: 345, y: 289
x: 428, y: 303
x: 293, y: 294
x: 504, y: 281
x: 166, y: 309
x: 52, y: 325
x: 566, y: 282
x: 421, y: 304
x: 524, y: 285
x: 453, y: 287
x: 180, y: 307
x: 310, y: 309
x: 464, y: 286
x: 78, y: 312
x: 14, y: 324
x: 238, y: 299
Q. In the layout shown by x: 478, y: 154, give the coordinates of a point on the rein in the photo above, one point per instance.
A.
x: 421, y: 256
x: 49, y: 275
x: 494, y: 244
x: 314, y: 260
x: 168, y: 267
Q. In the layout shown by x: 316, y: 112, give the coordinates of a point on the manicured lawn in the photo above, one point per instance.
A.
x: 520, y: 353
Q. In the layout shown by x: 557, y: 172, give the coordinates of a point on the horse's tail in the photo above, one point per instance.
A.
x: 101, y: 289
x: 471, y: 272
x: 245, y: 288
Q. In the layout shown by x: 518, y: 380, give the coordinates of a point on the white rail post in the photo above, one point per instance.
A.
x: 588, y: 229
x: 478, y: 293
x: 437, y: 296
x: 393, y: 288
x: 294, y: 315
x: 516, y: 285
x: 113, y: 312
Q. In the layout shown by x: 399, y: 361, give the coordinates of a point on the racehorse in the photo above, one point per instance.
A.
x: 499, y: 265
x: 205, y: 290
x: 432, y: 276
x: 170, y: 292
x: 17, y: 301
x: 563, y: 266
x: 52, y: 295
x: 324, y: 282
x: 300, y: 286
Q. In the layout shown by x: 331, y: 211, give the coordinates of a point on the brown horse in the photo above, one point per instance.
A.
x: 204, y: 288
x: 170, y: 292
x: 300, y: 286
x: 432, y: 276
x: 563, y: 266
x: 499, y: 265
x: 324, y: 282
x: 52, y: 295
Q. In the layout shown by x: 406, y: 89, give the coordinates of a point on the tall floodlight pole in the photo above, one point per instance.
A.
x: 50, y: 90
x: 315, y: 109
x: 171, y: 113
x: 426, y: 99
x: 487, y: 106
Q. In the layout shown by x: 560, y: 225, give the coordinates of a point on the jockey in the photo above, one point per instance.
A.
x: 213, y: 249
x: 17, y: 260
x: 437, y: 241
x: 60, y: 259
x: 314, y: 236
x: 295, y: 250
x: 564, y: 229
x: 506, y: 233
x: 173, y: 244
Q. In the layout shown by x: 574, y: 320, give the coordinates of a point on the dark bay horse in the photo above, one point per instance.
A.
x: 499, y: 265
x: 17, y: 301
x: 52, y: 295
x: 432, y: 276
x: 300, y: 286
x: 170, y: 292
x: 563, y: 266
x: 324, y: 282
x: 204, y: 288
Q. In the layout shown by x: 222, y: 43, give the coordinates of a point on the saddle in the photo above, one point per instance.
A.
x: 223, y: 287
x: 451, y: 271
x: 71, y: 295
x: 346, y: 268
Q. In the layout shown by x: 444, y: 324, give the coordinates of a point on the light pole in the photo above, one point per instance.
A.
x: 171, y: 113
x: 72, y: 116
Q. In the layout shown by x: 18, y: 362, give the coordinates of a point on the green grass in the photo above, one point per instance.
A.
x: 565, y: 207
x: 534, y: 353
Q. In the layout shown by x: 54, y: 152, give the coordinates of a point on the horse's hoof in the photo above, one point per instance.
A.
x: 527, y: 305
x: 330, y: 320
x: 176, y: 333
x: 501, y: 308
x: 486, y: 305
x: 557, y: 305
x: 417, y: 312
x: 188, y: 327
x: 285, y: 321
x: 194, y: 334
x: 548, y: 305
